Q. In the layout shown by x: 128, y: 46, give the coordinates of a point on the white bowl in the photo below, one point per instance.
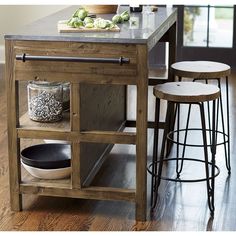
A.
x: 59, y: 173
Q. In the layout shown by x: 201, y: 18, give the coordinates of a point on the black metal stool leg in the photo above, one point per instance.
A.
x: 158, y: 176
x: 217, y: 117
x: 213, y: 152
x: 209, y: 117
x: 180, y: 167
x: 221, y: 112
x: 177, y: 144
x: 155, y: 151
x: 210, y: 191
x: 223, y: 129
x: 185, y: 139
x: 228, y: 130
x: 170, y: 127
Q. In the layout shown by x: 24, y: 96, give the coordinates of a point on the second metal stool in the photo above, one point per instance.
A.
x: 177, y: 93
x: 210, y: 71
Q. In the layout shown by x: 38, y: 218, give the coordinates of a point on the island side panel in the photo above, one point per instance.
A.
x: 12, y: 123
x: 102, y: 108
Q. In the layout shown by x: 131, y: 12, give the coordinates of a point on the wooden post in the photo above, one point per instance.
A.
x: 13, y: 123
x: 141, y: 126
x: 75, y: 126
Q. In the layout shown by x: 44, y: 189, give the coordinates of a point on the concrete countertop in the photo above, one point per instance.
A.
x: 146, y: 29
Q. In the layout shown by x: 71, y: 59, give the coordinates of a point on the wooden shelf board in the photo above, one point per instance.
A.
x: 63, y: 188
x: 28, y: 180
x: 63, y: 125
x: 98, y: 193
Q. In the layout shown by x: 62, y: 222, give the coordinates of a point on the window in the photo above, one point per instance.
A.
x: 205, y: 25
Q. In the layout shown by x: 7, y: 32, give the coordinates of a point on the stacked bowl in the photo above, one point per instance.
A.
x: 47, y: 161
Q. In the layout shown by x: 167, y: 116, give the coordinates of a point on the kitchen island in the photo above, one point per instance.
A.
x: 98, y: 66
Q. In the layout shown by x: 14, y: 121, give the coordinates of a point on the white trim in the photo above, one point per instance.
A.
x: 2, y: 54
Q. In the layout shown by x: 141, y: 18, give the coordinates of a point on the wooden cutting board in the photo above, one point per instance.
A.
x: 64, y: 28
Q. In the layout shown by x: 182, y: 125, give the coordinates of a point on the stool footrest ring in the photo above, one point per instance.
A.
x: 196, y: 145
x: 184, y: 180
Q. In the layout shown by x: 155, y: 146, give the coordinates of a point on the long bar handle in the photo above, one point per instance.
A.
x: 121, y: 60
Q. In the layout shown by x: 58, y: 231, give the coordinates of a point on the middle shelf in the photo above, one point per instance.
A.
x: 62, y: 125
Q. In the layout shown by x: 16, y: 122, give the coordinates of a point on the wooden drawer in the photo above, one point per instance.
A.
x: 74, y: 71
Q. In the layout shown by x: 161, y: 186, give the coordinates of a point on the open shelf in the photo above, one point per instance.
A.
x: 59, y: 183
x: 63, y: 188
x: 37, y: 130
x: 62, y: 125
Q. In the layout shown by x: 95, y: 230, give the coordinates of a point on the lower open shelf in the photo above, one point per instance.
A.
x: 63, y: 188
x: 118, y: 187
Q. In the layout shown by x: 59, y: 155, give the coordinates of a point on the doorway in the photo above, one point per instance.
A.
x: 207, y: 32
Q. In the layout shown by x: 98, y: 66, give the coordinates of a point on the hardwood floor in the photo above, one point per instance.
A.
x: 182, y: 207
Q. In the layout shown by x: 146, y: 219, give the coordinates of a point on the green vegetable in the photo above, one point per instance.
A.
x: 76, y: 12
x: 89, y: 25
x: 71, y: 21
x: 88, y: 20
x: 125, y: 16
x: 81, y: 13
x: 117, y: 19
x: 81, y: 18
x: 78, y: 23
x: 75, y: 22
x: 102, y: 23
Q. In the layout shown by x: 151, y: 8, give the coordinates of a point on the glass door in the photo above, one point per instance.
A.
x: 207, y: 32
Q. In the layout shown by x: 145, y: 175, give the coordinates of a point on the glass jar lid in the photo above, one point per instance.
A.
x: 43, y: 84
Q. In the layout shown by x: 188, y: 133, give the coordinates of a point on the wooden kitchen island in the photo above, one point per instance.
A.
x: 99, y: 67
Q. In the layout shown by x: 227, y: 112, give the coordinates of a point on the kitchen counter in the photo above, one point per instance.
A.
x: 104, y: 63
x: 148, y: 29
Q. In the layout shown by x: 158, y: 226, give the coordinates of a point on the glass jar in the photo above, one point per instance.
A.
x: 66, y: 96
x: 45, y: 101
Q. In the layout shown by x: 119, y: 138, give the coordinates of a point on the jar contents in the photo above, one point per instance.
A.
x: 66, y: 96
x: 45, y: 101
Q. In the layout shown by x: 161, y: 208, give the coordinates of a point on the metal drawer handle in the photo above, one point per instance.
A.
x: 121, y: 60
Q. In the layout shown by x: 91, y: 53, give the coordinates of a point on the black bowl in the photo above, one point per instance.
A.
x: 47, y: 156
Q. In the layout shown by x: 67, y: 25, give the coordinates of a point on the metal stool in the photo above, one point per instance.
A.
x: 209, y: 70
x: 177, y: 93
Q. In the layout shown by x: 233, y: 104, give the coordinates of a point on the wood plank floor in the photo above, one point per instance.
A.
x: 181, y: 206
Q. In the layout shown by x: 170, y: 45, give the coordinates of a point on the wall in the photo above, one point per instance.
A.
x: 14, y: 16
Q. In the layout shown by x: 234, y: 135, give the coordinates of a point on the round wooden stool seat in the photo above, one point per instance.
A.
x: 200, y: 69
x: 186, y: 92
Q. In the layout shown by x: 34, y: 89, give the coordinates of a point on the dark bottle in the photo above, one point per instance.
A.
x: 139, y: 8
